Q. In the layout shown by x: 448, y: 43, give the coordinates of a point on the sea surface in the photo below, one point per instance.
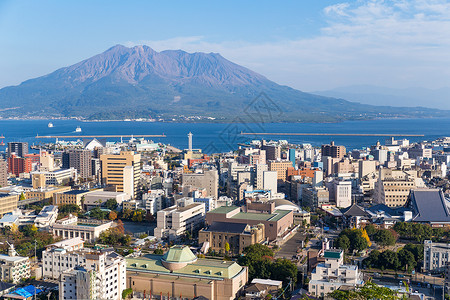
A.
x: 218, y: 137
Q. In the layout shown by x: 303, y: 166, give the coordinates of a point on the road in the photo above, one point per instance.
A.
x: 288, y: 249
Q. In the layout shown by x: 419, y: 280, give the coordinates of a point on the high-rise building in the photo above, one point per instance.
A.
x: 393, y: 187
x: 260, y: 169
x: 79, y: 159
x: 333, y: 150
x: 280, y: 167
x: 46, y: 162
x: 208, y: 180
x: 270, y: 181
x: 19, y: 165
x: 272, y: 152
x: 3, y: 173
x: 292, y: 156
x: 122, y: 171
x: 18, y: 148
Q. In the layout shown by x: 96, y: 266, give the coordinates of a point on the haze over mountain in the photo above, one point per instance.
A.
x: 410, y: 97
x: 140, y: 82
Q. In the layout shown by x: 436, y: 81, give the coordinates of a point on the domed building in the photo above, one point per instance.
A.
x: 283, y: 204
x: 179, y: 273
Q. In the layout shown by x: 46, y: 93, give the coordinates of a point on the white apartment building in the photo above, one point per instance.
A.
x: 61, y: 256
x: 435, y: 256
x: 343, y: 193
x: 13, y: 268
x: 332, y: 274
x: 260, y: 169
x: 102, y: 276
x: 84, y: 273
x: 173, y: 221
x: 153, y: 201
x: 270, y: 179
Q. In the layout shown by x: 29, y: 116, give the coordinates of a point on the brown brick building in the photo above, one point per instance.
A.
x: 237, y: 235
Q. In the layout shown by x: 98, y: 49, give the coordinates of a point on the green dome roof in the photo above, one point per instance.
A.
x: 179, y: 254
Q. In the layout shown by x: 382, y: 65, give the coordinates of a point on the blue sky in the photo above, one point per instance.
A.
x: 309, y: 45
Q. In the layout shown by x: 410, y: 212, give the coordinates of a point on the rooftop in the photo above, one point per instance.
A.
x: 226, y: 227
x: 4, y: 257
x: 76, y: 192
x: 223, y: 209
x: 430, y: 206
x: 210, y: 268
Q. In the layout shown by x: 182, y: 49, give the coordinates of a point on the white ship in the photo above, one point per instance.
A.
x: 50, y: 125
x: 78, y: 129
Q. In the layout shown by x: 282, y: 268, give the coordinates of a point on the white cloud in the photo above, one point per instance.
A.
x: 381, y: 42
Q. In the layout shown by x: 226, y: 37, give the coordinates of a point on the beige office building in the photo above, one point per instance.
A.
x: 122, y: 171
x: 69, y: 197
x: 280, y: 167
x: 3, y: 173
x: 8, y: 203
x: 393, y: 186
x: 47, y: 193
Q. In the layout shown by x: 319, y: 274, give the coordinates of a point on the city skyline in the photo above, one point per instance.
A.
x: 306, y: 45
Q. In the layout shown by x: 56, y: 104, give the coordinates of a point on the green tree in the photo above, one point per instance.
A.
x: 111, y: 204
x: 391, y: 259
x: 126, y: 293
x: 69, y: 208
x: 283, y: 269
x: 158, y: 251
x: 407, y: 259
x: 98, y: 214
x: 385, y: 237
x: 343, y: 242
x: 257, y: 258
x: 371, y: 229
x: 373, y: 260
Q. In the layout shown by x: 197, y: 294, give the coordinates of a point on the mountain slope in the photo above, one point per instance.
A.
x: 140, y: 82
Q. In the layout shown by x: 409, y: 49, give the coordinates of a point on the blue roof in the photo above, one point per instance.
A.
x: 9, y: 218
x: 430, y: 206
x: 27, y: 291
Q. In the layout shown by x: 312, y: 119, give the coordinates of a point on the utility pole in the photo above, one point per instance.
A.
x: 35, y: 256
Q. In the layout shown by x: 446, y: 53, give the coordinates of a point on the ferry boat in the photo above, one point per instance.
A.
x: 50, y: 125
x: 78, y: 129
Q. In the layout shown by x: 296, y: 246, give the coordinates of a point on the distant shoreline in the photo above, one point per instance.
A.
x: 216, y: 121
